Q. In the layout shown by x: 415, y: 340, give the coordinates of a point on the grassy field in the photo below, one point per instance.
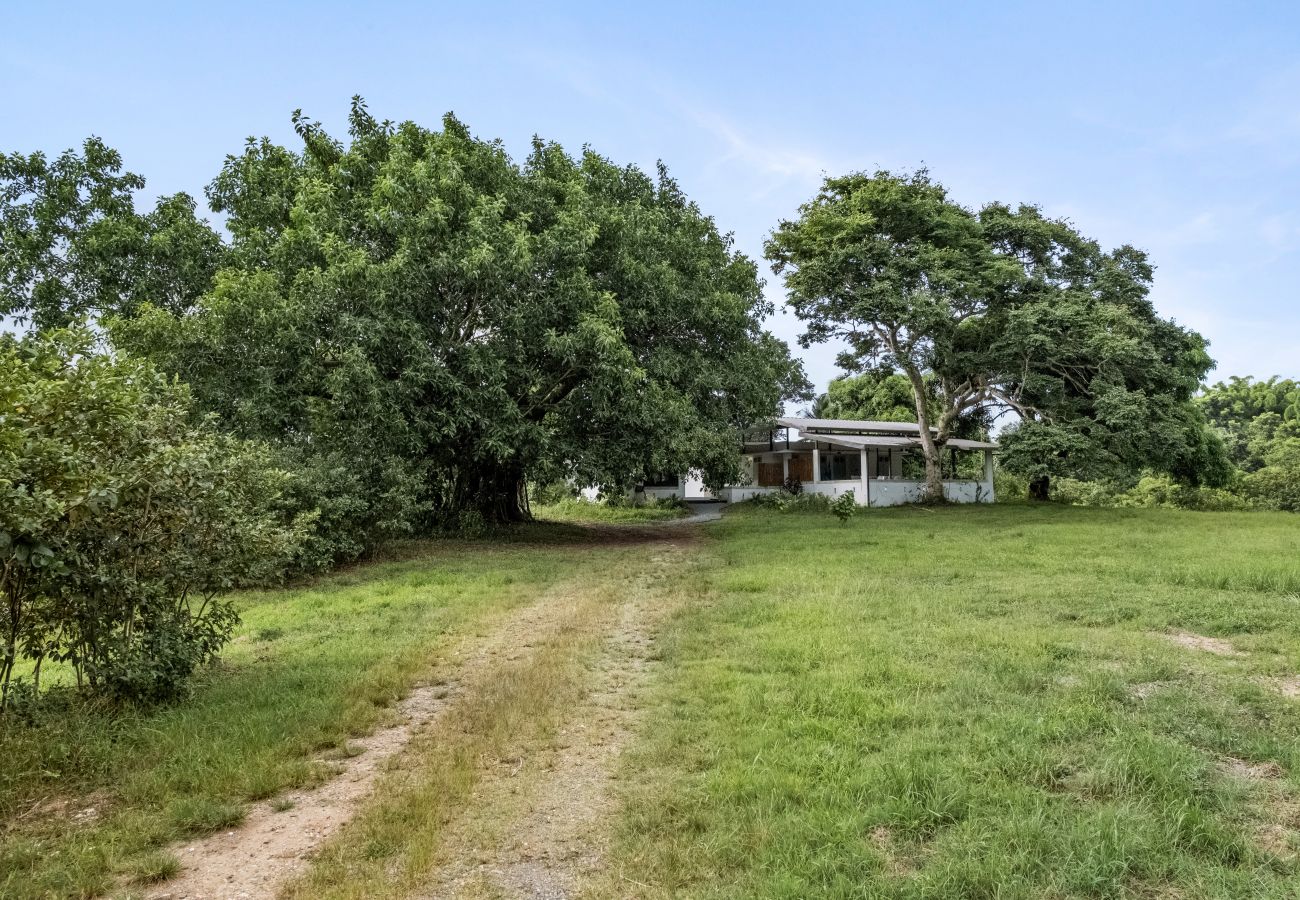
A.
x: 1004, y: 702
x: 978, y: 702
x: 310, y: 668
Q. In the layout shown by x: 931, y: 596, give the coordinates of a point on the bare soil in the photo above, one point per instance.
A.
x: 1187, y: 639
x: 539, y: 829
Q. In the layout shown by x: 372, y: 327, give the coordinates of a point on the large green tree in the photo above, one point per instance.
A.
x: 1250, y: 414
x: 1002, y: 311
x: 72, y: 244
x: 426, y: 323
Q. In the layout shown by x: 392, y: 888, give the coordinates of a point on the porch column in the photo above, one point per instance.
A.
x: 785, y: 466
x: 988, y: 466
x: 865, y: 499
x: 817, y: 463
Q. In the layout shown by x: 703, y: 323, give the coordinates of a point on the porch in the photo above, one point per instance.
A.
x: 871, y: 459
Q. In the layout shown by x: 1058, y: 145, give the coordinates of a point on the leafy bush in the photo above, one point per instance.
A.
x: 1084, y: 493
x: 1277, y: 484
x: 551, y: 492
x: 1163, y: 491
x: 793, y: 503
x: 845, y: 507
x: 792, y: 485
x: 122, y: 520
x: 1150, y: 491
x: 1008, y: 486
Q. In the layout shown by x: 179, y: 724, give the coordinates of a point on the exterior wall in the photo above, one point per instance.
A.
x: 893, y: 492
x: 737, y: 494
x: 693, y: 487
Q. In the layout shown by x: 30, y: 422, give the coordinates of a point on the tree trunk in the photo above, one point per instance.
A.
x: 929, y: 446
x: 1039, y: 487
x: 499, y: 495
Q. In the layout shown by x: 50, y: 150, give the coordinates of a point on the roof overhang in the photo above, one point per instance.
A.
x: 858, y: 441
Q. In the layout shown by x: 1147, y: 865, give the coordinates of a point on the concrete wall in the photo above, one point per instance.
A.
x: 892, y: 492
x: 740, y: 493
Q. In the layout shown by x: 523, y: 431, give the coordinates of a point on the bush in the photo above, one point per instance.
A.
x: 1163, y: 491
x: 796, y: 503
x: 122, y: 521
x: 1158, y: 491
x: 845, y: 507
x: 1084, y: 493
x: 551, y: 492
x: 1008, y: 486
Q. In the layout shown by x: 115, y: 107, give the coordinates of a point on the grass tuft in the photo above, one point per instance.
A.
x: 154, y: 867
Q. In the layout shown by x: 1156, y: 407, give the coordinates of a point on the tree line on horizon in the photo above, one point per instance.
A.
x: 395, y: 334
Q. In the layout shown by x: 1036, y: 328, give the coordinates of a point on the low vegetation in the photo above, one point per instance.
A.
x: 1012, y: 701
x: 1020, y: 701
x: 91, y: 794
x: 577, y: 509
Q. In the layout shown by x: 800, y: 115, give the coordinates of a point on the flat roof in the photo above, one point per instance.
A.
x: 886, y: 434
x: 849, y: 425
x: 887, y: 440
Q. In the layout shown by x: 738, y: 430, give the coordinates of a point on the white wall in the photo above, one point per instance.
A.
x: 894, y: 493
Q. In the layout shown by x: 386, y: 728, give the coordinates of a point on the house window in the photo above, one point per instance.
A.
x: 661, y: 481
x: 842, y: 467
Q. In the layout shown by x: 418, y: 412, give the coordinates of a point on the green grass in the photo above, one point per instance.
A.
x: 976, y: 702
x: 579, y: 510
x: 958, y: 702
x: 310, y: 668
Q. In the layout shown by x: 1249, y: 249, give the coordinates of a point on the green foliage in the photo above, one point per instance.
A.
x: 1152, y: 491
x: 72, y: 244
x: 579, y: 509
x: 1239, y: 401
x: 845, y: 507
x: 1259, y: 423
x: 1276, y: 485
x: 882, y: 395
x: 428, y: 325
x: 793, y: 503
x: 1000, y: 311
x: 551, y: 492
x: 122, y: 521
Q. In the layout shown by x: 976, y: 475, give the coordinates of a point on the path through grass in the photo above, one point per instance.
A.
x: 1010, y: 702
x: 91, y: 799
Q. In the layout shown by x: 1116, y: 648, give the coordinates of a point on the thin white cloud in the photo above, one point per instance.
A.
x: 765, y: 156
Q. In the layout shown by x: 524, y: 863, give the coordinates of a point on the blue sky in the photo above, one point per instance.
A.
x: 1174, y: 127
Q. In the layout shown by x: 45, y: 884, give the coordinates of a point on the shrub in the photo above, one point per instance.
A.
x: 123, y: 520
x: 845, y: 507
x: 1084, y: 493
x: 797, y: 503
x: 1008, y: 486
x: 1277, y: 484
x: 551, y: 492
x: 792, y: 486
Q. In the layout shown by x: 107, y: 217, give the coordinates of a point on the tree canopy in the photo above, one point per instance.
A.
x: 1002, y: 311
x: 73, y: 246
x: 426, y: 323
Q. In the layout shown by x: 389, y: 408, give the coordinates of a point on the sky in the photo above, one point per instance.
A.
x: 1174, y: 127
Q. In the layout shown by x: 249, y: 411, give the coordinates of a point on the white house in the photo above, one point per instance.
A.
x: 831, y: 456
